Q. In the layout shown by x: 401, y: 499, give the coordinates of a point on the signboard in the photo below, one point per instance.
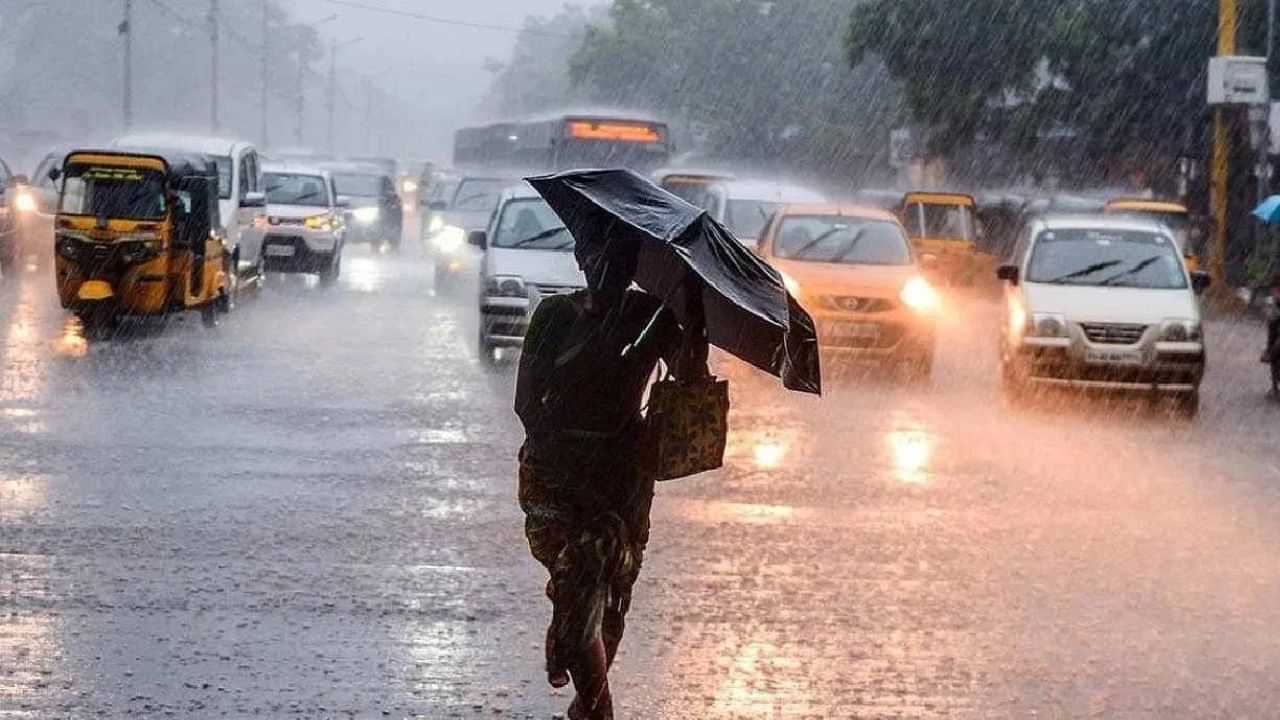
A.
x: 1238, y: 80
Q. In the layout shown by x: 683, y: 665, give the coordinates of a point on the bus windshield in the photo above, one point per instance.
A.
x: 113, y: 192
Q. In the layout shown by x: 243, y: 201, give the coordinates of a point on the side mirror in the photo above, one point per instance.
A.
x: 1008, y: 272
x: 478, y: 238
x: 438, y: 206
x: 929, y: 261
x: 55, y: 173
x: 1200, y: 281
x: 344, y: 201
x: 254, y: 200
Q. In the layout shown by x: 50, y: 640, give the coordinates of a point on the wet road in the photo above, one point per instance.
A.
x: 310, y: 511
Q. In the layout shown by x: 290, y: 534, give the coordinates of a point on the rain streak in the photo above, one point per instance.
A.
x: 857, y: 358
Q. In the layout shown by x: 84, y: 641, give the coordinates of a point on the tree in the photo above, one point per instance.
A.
x: 536, y: 78
x: 1119, y: 77
x: 761, y: 82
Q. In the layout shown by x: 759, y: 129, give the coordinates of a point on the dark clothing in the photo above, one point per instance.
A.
x: 585, y: 496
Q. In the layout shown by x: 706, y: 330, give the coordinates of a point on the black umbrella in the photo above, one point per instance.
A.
x: 749, y: 312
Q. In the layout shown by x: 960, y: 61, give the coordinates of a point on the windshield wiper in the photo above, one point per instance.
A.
x: 1131, y: 271
x: 549, y: 232
x: 1084, y: 271
x: 853, y: 245
x: 814, y: 242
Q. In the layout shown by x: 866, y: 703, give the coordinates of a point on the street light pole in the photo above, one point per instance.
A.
x: 126, y: 29
x: 301, y: 107
x: 264, y: 131
x: 213, y: 55
x: 333, y: 83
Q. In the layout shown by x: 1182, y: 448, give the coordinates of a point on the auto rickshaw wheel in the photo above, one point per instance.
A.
x: 226, y: 301
x: 209, y: 315
x: 98, y: 323
x: 329, y: 274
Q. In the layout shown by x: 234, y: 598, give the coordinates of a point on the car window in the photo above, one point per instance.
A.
x: 254, y: 175
x: 296, y: 189
x: 531, y: 224
x: 841, y: 239
x: 1106, y: 258
x: 244, y: 175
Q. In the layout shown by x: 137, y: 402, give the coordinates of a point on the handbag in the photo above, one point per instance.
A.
x: 687, y: 426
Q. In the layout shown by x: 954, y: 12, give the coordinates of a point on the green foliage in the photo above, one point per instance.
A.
x: 1127, y: 75
x: 761, y: 81
x: 536, y: 78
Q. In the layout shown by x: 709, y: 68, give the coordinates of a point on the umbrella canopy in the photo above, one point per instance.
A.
x: 1268, y: 211
x: 749, y: 312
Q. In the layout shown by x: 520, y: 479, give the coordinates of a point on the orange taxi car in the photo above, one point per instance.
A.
x: 854, y: 270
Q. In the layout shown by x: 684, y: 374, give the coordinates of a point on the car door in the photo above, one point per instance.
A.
x: 251, y: 221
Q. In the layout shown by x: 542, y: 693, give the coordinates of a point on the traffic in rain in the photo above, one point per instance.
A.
x: 680, y: 359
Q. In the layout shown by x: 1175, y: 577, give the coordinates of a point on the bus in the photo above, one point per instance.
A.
x: 566, y: 140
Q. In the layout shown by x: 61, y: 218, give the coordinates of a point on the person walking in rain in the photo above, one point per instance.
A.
x: 587, y: 360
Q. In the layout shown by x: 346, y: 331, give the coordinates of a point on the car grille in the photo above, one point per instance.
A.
x: 549, y: 290
x: 1113, y: 333
x: 850, y: 303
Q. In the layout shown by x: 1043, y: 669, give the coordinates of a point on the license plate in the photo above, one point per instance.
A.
x: 854, y: 331
x: 280, y: 250
x: 1113, y: 357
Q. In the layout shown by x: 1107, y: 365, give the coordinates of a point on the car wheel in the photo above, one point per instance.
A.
x: 486, y: 350
x: 227, y: 300
x: 329, y: 275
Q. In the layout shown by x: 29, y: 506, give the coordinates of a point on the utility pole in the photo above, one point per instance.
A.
x: 265, y: 131
x: 368, y: 116
x: 302, y: 99
x: 1222, y: 134
x: 213, y: 56
x: 333, y: 89
x: 126, y: 30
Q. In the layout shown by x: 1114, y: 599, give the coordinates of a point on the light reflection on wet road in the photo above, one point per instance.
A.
x: 310, y: 511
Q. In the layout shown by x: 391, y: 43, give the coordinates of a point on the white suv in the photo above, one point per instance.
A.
x: 528, y: 255
x: 1102, y: 302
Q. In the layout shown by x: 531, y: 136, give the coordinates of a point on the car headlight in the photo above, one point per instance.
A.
x: 1047, y: 325
x: 409, y: 185
x: 1180, y: 330
x: 918, y: 295
x: 450, y: 239
x: 435, y: 224
x: 68, y: 246
x: 24, y: 202
x: 138, y: 249
x: 506, y: 286
x: 365, y: 215
x: 319, y: 222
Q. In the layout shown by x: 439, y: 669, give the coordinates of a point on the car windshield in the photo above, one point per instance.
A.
x: 113, y: 192
x: 531, y: 224
x: 1110, y: 258
x: 478, y: 194
x: 747, y: 218
x: 293, y: 189
x: 358, y: 185
x: 933, y: 220
x: 1179, y: 224
x: 835, y: 239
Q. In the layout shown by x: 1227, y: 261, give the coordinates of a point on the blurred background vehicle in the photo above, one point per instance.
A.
x: 306, y: 222
x: 375, y: 213
x: 470, y: 207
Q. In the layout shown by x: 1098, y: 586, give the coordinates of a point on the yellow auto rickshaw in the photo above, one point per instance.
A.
x: 944, y: 225
x: 1173, y: 214
x: 138, y: 234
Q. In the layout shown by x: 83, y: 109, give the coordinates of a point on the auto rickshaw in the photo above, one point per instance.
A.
x: 944, y: 225
x: 138, y: 234
x: 1171, y: 213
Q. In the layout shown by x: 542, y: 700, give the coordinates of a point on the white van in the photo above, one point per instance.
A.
x: 528, y: 255
x: 241, y: 191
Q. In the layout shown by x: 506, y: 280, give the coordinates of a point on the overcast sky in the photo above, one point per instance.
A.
x: 437, y: 67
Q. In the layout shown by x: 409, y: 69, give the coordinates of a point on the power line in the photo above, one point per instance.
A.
x: 445, y: 21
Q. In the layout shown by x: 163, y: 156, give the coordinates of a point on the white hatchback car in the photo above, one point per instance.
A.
x: 306, y: 229
x: 1102, y: 302
x: 528, y: 255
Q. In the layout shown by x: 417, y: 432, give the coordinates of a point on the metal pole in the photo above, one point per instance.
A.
x: 1271, y: 29
x: 333, y: 88
x: 126, y: 29
x: 1227, y: 20
x: 302, y: 99
x: 368, y: 116
x: 266, y: 62
x: 213, y: 56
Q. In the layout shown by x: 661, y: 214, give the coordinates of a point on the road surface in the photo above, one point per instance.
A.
x: 310, y: 512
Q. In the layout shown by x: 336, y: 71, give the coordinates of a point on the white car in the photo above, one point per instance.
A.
x: 528, y: 255
x: 306, y: 226
x: 745, y: 206
x: 1102, y: 302
x: 241, y: 194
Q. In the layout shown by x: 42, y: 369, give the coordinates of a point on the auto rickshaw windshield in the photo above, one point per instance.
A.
x: 113, y: 192
x: 939, y: 221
